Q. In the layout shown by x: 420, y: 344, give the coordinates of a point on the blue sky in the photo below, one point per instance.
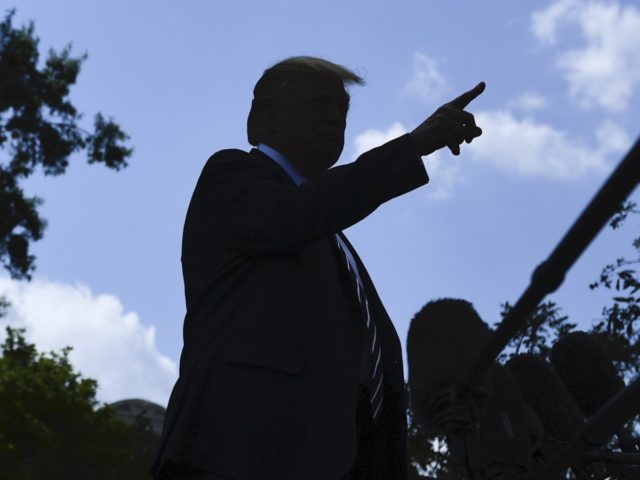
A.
x: 559, y: 112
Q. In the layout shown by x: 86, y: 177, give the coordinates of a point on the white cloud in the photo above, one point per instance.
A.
x: 444, y: 174
x: 526, y: 147
x: 518, y: 146
x: 612, y: 138
x: 605, y: 70
x: 529, y: 101
x: 427, y: 82
x: 109, y: 344
x: 374, y: 138
x: 545, y: 23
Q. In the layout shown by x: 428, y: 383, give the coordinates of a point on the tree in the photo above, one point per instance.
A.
x: 50, y: 423
x: 618, y: 328
x: 38, y: 128
x: 52, y: 427
x: 545, y: 324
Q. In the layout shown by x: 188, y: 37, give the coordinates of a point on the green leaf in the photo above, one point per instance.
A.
x: 38, y: 128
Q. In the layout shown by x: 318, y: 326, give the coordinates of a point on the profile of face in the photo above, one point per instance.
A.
x: 307, y: 125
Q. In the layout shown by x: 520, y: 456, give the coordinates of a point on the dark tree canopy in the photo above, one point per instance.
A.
x: 39, y: 127
x: 51, y: 425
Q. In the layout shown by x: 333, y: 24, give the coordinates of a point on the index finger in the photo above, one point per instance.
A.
x: 464, y: 99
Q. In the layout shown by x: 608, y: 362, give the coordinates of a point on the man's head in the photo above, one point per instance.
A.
x: 300, y: 108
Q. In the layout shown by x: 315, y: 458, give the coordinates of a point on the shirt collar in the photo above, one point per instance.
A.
x: 280, y: 159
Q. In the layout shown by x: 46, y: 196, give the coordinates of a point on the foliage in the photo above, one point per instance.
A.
x: 545, y: 325
x: 50, y: 412
x: 38, y: 127
x: 618, y: 329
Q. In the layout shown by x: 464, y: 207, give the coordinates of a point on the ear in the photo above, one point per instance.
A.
x: 268, y: 118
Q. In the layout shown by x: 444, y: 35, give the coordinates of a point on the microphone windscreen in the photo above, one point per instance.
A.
x: 543, y: 390
x: 588, y: 374
x: 533, y: 426
x: 504, y: 442
x: 444, y: 337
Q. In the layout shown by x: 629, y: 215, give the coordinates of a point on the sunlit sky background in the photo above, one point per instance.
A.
x: 559, y: 112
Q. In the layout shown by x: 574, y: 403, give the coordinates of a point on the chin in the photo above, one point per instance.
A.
x: 323, y: 157
x: 328, y: 160
x: 331, y: 154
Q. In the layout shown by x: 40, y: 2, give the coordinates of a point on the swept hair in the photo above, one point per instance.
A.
x: 277, y: 79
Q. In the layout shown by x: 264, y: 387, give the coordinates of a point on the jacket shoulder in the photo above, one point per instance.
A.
x: 233, y: 161
x: 227, y: 155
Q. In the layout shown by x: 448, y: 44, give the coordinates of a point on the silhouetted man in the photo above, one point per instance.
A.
x: 291, y: 368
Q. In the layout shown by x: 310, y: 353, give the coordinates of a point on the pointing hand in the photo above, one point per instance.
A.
x: 449, y: 126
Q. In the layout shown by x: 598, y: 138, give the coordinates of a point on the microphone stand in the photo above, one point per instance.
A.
x: 623, y: 458
x: 597, y: 429
x: 549, y: 275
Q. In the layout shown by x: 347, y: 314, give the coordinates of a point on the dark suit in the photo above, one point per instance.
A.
x: 268, y: 385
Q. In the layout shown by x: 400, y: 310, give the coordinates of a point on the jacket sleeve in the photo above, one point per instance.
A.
x: 243, y: 208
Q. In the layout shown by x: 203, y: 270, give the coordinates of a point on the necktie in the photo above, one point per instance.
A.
x: 376, y: 351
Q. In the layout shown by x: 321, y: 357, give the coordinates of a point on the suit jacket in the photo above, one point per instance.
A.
x: 268, y: 379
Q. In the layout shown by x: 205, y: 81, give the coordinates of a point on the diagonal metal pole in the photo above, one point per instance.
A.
x: 597, y: 430
x: 550, y: 274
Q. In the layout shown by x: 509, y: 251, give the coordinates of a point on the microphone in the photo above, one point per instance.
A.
x: 443, y: 338
x: 592, y: 379
x: 543, y: 390
x: 569, y: 438
x: 589, y: 375
x: 488, y: 428
x: 503, y: 442
x: 598, y: 429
